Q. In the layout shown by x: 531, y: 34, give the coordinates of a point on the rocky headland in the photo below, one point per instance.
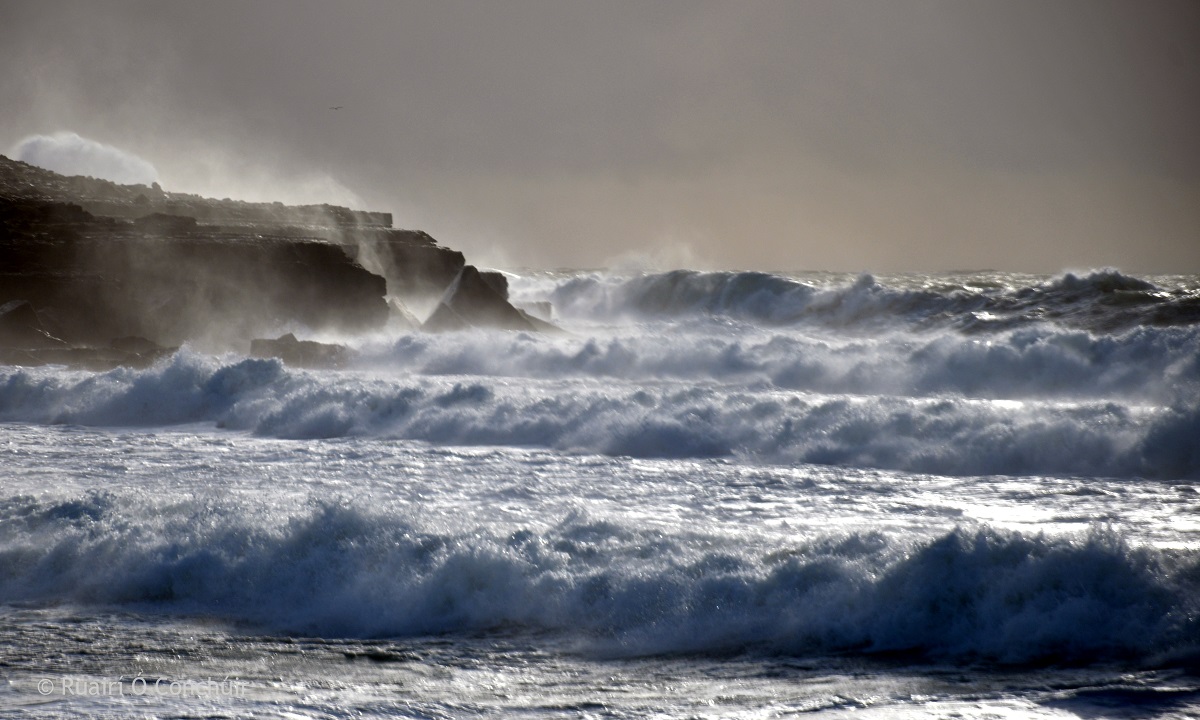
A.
x: 97, y: 274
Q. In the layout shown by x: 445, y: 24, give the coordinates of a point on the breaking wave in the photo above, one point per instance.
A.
x: 331, y: 569
x: 943, y: 435
x: 1103, y: 300
x: 1149, y: 364
x: 744, y: 365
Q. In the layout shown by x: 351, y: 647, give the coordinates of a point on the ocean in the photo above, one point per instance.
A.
x: 713, y: 495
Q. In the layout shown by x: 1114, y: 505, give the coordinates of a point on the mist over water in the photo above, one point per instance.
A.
x: 337, y: 569
x: 956, y: 379
x: 776, y: 474
x: 724, y: 489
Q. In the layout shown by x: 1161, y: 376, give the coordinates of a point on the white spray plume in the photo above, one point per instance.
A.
x: 70, y: 154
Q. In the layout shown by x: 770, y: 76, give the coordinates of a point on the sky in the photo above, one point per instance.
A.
x: 866, y: 135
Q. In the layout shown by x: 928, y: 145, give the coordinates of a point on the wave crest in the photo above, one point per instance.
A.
x: 335, y: 570
x: 941, y: 435
x: 1103, y: 301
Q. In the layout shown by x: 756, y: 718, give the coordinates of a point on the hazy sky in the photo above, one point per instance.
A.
x: 850, y: 135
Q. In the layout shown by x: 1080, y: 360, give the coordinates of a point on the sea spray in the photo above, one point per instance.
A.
x: 950, y: 434
x: 332, y: 569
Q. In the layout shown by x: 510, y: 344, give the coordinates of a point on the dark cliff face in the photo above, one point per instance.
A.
x: 105, y: 198
x: 480, y: 299
x: 411, y: 260
x: 95, y: 261
x: 168, y: 277
x: 93, y: 279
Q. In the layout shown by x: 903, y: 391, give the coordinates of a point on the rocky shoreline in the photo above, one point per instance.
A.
x: 96, y: 274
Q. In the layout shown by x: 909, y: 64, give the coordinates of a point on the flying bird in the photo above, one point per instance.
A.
x: 335, y: 107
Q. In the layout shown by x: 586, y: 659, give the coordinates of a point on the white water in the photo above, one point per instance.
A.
x: 699, y: 506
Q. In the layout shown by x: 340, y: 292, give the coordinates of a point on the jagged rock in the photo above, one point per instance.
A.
x: 23, y: 341
x: 85, y: 358
x: 471, y: 302
x: 413, y: 263
x: 496, y: 280
x: 542, y: 310
x: 146, y: 350
x: 301, y: 353
x: 135, y: 344
x: 445, y: 319
x: 98, y: 278
x: 103, y: 197
x: 539, y: 324
x: 20, y: 327
x: 400, y: 317
x: 95, y: 260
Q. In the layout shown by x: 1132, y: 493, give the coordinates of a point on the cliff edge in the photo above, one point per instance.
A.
x: 88, y: 263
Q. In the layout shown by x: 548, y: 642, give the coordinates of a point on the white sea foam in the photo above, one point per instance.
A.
x: 1103, y: 300
x: 1152, y: 365
x: 806, y: 477
x: 333, y: 569
x: 714, y: 378
x: 946, y: 435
